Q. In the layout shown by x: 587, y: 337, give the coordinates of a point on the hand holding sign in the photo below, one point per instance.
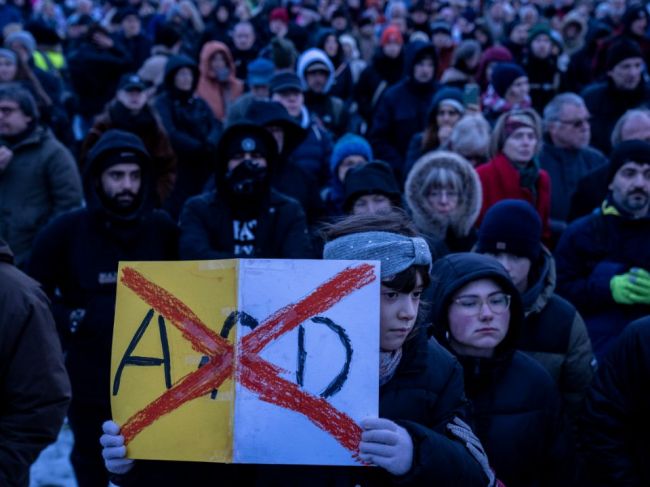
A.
x: 114, y: 451
x: 387, y: 445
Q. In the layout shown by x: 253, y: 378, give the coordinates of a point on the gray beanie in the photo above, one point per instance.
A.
x: 395, y: 252
x: 8, y: 54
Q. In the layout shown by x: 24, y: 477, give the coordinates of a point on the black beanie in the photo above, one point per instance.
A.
x: 629, y: 150
x: 620, y: 51
x: 246, y: 142
x: 376, y: 177
x: 504, y: 75
x: 511, y: 226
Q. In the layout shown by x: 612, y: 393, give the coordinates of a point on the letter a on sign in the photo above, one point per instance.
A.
x: 265, y: 361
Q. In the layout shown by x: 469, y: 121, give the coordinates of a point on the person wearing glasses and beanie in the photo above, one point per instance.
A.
x: 515, y: 407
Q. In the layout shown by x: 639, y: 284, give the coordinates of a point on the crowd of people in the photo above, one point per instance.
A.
x: 493, y: 155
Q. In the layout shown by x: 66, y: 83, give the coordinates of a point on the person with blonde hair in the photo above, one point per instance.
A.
x: 470, y: 138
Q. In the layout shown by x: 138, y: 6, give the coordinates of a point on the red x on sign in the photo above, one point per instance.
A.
x: 254, y: 373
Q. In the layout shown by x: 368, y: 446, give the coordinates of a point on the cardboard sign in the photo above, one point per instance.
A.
x: 246, y: 361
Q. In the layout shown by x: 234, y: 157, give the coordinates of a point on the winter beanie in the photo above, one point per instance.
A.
x: 620, y: 51
x: 391, y: 34
x: 23, y: 38
x: 504, y: 75
x: 511, y: 226
x: 349, y: 145
x: 627, y: 151
x: 376, y: 177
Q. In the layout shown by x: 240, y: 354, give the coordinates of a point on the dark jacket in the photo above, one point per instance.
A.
x: 566, y: 167
x: 515, y: 406
x: 34, y: 386
x: 401, y: 112
x: 207, y: 229
x: 607, y: 104
x: 590, y: 192
x: 616, y: 423
x: 423, y: 396
x: 40, y: 182
x: 555, y: 335
x: 193, y: 132
x: 76, y: 257
x: 591, y: 251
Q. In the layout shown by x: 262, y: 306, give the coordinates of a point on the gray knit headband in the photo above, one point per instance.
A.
x: 395, y: 252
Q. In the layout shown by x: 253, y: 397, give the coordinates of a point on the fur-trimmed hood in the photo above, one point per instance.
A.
x: 309, y: 57
x: 469, y: 202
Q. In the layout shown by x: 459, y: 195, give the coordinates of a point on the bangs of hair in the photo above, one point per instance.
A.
x: 405, y: 281
x: 442, y: 178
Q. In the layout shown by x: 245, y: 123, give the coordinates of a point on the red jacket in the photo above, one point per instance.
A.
x: 500, y: 181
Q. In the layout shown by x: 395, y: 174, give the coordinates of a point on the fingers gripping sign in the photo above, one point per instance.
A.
x: 387, y: 445
x: 113, y: 449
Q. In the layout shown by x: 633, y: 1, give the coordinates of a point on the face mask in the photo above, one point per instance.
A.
x: 247, y: 179
x: 223, y: 74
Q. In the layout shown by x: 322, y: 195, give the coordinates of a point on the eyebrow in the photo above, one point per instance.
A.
x: 478, y: 296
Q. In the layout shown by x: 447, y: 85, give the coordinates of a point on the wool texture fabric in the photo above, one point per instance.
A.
x: 395, y: 252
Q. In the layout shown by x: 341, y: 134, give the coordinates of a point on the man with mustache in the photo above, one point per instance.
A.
x: 75, y: 258
x: 603, y: 259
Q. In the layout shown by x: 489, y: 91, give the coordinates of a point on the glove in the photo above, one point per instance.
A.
x: 640, y: 285
x: 387, y: 445
x: 114, y: 451
x: 621, y: 287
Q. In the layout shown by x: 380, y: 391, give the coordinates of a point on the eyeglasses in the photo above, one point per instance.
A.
x: 578, y: 123
x: 439, y: 193
x: 471, y: 305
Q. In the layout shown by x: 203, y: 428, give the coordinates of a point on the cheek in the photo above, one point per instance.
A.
x: 459, y: 326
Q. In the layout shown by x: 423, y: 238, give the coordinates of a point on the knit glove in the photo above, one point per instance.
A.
x: 387, y: 445
x: 621, y: 287
x: 640, y: 285
x: 114, y: 451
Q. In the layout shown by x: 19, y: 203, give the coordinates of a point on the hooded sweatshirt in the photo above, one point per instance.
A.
x: 219, y: 93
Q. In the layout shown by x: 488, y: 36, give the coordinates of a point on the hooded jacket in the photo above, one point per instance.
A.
x: 193, y: 132
x: 514, y: 405
x: 40, y: 182
x: 34, y: 386
x: 207, y: 220
x: 444, y: 235
x: 555, y: 335
x: 402, y: 111
x: 76, y: 257
x: 219, y: 95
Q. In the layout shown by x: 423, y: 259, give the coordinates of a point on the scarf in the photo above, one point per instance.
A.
x: 528, y: 175
x: 388, y: 362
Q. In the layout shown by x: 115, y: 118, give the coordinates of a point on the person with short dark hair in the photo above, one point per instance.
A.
x: 38, y: 175
x: 603, y: 259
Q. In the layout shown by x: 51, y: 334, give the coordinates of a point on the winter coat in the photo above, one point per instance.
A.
x: 566, y: 167
x: 515, y: 407
x: 616, y: 424
x: 40, y: 182
x: 592, y: 250
x: 76, y: 257
x: 423, y: 396
x: 400, y: 113
x: 34, y: 386
x: 607, y: 104
x: 453, y: 233
x: 193, y: 132
x: 592, y: 189
x: 500, y: 180
x: 555, y: 335
x: 148, y: 127
x: 207, y: 229
x: 95, y: 73
x: 382, y: 73
x: 313, y: 153
x: 218, y: 95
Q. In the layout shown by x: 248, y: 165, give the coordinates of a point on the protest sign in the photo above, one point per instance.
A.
x: 246, y: 361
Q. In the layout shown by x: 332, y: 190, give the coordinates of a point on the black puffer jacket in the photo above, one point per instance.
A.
x: 78, y: 253
x: 515, y: 406
x: 616, y: 423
